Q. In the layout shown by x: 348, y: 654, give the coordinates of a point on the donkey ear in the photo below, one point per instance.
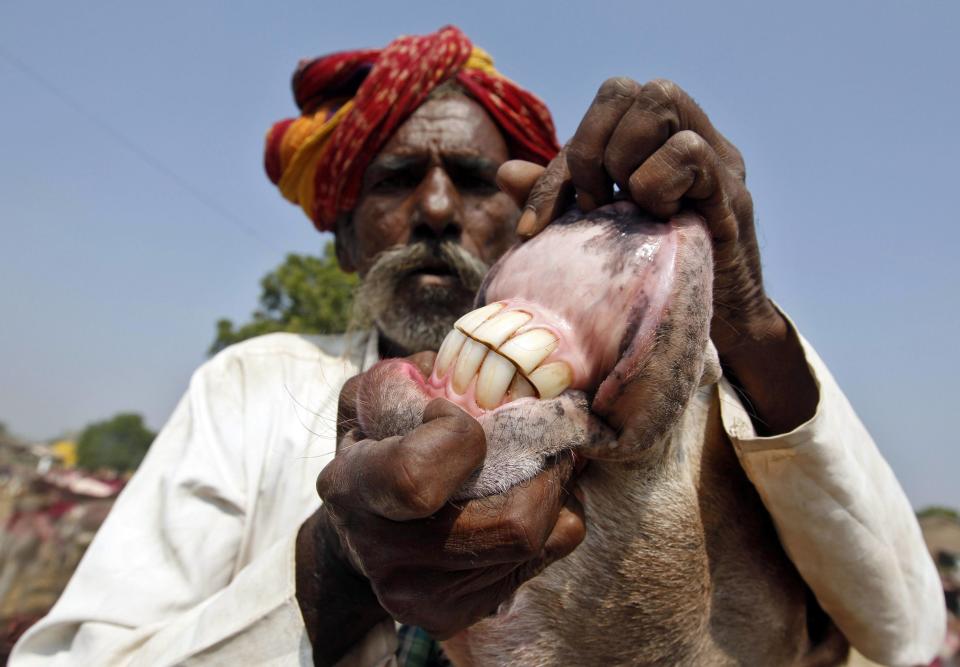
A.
x: 711, y: 365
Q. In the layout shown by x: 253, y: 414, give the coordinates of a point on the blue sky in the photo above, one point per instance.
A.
x: 135, y: 212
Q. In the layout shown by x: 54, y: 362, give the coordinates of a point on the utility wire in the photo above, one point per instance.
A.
x: 137, y: 150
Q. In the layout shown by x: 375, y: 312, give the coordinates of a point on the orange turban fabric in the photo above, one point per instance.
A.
x: 352, y: 102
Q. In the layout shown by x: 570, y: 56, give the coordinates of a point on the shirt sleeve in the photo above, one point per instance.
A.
x: 162, y: 582
x: 846, y: 524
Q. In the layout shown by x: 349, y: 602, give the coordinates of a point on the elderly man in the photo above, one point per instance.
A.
x: 217, y: 551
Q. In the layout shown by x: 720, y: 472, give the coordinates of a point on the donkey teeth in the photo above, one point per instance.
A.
x: 551, y: 379
x: 500, y: 327
x: 471, y: 356
x: 449, y: 350
x: 475, y: 318
x: 474, y: 342
x: 493, y: 381
x: 529, y: 348
x: 520, y: 388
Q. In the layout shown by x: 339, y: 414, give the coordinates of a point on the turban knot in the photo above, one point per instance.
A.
x: 352, y: 102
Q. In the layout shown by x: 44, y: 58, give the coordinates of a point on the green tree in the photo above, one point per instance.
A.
x: 303, y: 295
x: 939, y: 510
x: 119, y: 443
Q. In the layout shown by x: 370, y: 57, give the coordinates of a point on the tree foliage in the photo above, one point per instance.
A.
x: 303, y: 295
x: 939, y: 510
x: 119, y: 443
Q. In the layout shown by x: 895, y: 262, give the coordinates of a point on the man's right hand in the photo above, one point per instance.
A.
x: 433, y: 563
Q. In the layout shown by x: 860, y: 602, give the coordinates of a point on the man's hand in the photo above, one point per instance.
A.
x: 656, y: 144
x: 659, y: 148
x: 387, y: 519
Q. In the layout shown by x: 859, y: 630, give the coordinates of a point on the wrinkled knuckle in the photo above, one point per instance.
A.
x: 539, y: 198
x: 399, y: 605
x: 325, y: 483
x: 617, y: 158
x: 641, y: 190
x: 412, y: 492
x: 473, y: 431
x: 545, y: 188
x: 520, y: 542
x: 690, y: 144
x: 735, y: 155
x: 664, y: 89
x: 580, y: 157
x: 739, y: 167
x: 617, y: 87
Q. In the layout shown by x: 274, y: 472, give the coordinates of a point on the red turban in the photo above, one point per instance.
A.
x: 352, y: 102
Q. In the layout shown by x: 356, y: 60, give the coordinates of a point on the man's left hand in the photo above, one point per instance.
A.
x: 658, y: 146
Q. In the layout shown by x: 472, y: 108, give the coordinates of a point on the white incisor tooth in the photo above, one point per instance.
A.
x: 551, y: 379
x: 500, y: 327
x: 495, y: 376
x: 529, y: 348
x: 475, y: 318
x: 520, y: 388
x: 471, y: 356
x: 449, y: 350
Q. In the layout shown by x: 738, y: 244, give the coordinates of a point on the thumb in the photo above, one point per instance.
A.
x: 517, y: 178
x: 567, y: 534
x: 547, y: 199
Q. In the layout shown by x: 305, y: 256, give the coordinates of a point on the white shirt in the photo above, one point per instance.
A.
x: 195, y: 564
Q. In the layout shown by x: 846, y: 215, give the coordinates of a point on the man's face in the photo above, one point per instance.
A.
x: 430, y: 199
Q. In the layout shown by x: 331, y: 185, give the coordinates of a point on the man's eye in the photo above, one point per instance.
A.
x: 475, y: 183
x: 395, y: 182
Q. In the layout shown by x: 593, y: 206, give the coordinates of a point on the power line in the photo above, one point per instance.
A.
x: 134, y: 148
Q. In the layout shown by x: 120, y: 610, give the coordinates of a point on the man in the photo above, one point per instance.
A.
x: 217, y: 551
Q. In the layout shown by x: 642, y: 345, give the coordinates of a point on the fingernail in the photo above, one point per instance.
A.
x: 527, y: 224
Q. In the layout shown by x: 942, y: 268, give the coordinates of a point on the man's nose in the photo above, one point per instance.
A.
x: 437, y: 214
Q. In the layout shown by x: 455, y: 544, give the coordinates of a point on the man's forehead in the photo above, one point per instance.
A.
x: 451, y: 125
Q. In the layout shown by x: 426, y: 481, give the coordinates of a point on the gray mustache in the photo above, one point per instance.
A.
x: 374, y: 298
x: 395, y: 263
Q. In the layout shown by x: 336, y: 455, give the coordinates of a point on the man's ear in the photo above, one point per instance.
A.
x: 344, y: 243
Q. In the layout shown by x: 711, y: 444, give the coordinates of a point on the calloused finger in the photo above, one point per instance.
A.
x: 687, y: 169
x: 585, y: 152
x: 661, y: 109
x: 509, y: 528
x: 550, y: 196
x: 569, y: 532
x: 409, y: 477
x: 684, y: 167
